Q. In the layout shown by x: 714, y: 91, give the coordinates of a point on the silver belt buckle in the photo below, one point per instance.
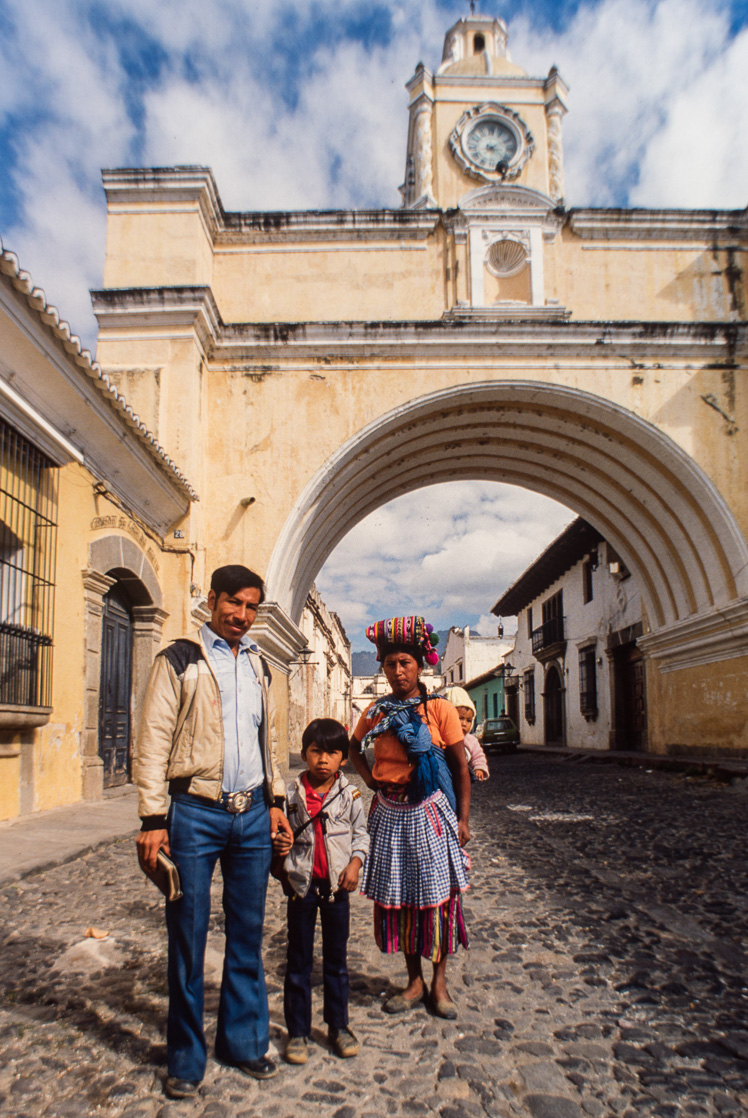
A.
x: 238, y: 802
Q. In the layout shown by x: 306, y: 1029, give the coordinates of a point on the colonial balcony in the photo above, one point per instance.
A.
x: 548, y: 640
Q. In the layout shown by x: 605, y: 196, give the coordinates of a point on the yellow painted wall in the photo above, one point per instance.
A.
x: 53, y: 754
x: 698, y: 710
x: 297, y: 282
x: 10, y: 779
x: 57, y: 755
x: 357, y: 278
x: 144, y: 250
x: 628, y: 282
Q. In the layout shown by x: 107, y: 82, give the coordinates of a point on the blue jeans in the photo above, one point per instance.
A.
x: 200, y: 834
x: 297, y: 992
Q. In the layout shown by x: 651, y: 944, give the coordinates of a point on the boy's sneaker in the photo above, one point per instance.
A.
x: 296, y: 1050
x: 344, y: 1043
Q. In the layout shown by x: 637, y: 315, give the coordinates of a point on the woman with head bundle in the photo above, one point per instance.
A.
x: 417, y: 869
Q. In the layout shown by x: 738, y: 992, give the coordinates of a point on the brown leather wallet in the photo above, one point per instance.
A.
x: 166, y: 876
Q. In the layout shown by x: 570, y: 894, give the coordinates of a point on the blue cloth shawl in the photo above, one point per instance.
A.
x: 431, y: 771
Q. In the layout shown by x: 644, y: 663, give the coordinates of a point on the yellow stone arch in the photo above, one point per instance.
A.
x: 640, y: 489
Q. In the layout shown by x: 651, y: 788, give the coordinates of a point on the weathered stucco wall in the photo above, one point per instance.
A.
x: 699, y: 710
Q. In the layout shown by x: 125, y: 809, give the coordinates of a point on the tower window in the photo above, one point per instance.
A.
x: 479, y: 43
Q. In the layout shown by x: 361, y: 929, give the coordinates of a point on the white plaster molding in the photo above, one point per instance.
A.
x: 667, y: 225
x: 324, y: 246
x: 608, y: 345
x: 512, y: 311
x: 193, y: 309
x: 537, y: 269
x: 279, y: 638
x: 516, y: 254
x: 200, y: 612
x: 173, y: 188
x: 554, y: 113
x: 595, y: 344
x: 704, y: 638
x: 499, y: 81
x: 423, y: 154
x: 328, y: 227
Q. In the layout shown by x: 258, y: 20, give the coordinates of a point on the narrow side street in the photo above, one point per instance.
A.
x: 606, y: 976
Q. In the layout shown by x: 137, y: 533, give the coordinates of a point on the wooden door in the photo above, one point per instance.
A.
x: 631, y: 699
x: 553, y: 708
x: 115, y: 688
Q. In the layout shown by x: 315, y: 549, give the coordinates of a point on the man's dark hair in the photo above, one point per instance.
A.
x: 327, y: 734
x: 233, y: 578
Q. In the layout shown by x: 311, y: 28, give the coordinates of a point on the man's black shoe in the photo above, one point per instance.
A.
x: 258, y: 1069
x: 180, y: 1088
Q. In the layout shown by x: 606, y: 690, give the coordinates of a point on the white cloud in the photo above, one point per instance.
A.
x: 637, y: 71
x: 700, y: 156
x: 446, y: 552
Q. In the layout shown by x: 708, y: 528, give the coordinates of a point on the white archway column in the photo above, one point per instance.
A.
x: 95, y: 588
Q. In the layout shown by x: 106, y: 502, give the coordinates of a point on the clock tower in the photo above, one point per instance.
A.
x: 484, y: 144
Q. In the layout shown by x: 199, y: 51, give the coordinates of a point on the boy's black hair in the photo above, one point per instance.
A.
x: 327, y: 734
x: 233, y: 578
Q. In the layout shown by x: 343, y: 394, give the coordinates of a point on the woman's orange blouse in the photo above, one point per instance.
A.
x: 391, y: 765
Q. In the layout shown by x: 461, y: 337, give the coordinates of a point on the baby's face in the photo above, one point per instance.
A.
x: 465, y: 716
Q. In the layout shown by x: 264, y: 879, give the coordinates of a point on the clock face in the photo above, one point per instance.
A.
x: 490, y: 141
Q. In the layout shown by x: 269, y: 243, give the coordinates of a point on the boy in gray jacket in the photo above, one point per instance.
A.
x: 330, y: 845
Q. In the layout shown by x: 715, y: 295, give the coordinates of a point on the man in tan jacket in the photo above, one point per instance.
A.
x: 208, y: 730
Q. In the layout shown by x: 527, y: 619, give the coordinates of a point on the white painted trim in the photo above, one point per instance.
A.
x: 691, y: 246
x: 308, y: 247
x: 537, y: 278
x: 42, y: 432
x: 277, y: 636
x: 704, y: 638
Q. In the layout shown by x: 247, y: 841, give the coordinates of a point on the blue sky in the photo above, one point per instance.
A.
x: 301, y: 104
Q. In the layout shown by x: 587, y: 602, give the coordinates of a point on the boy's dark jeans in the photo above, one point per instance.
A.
x: 297, y: 993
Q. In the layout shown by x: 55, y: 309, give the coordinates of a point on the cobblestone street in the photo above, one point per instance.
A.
x: 606, y: 975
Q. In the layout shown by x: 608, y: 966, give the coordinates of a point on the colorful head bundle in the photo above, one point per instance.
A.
x: 406, y: 632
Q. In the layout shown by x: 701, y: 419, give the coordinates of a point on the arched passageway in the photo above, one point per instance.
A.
x: 644, y: 494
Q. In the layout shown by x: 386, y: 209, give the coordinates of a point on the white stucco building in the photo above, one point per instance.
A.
x: 320, y: 683
x: 467, y: 655
x: 367, y: 688
x: 577, y: 675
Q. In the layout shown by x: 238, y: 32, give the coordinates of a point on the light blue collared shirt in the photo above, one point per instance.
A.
x: 241, y: 707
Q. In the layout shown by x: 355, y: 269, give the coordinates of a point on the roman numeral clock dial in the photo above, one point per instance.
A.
x: 490, y: 142
x: 490, y: 136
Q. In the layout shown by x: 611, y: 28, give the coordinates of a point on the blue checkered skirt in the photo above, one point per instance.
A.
x: 415, y: 859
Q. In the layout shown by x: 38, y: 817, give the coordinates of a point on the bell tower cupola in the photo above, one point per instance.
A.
x: 480, y: 119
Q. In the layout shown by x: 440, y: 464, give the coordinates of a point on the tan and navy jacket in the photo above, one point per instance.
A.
x: 180, y: 740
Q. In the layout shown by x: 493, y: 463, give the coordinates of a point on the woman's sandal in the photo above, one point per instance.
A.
x: 444, y: 1007
x: 398, y: 1004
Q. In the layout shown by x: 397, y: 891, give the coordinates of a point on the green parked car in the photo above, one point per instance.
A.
x: 499, y: 733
